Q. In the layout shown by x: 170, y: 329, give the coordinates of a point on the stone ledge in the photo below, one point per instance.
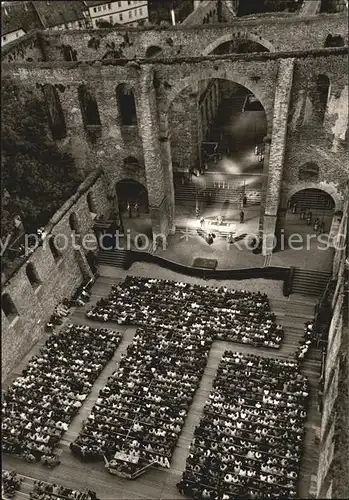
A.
x: 255, y: 56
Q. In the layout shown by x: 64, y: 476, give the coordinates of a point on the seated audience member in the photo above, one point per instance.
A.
x: 141, y: 410
x: 233, y: 315
x: 11, y: 483
x: 47, y: 491
x: 39, y: 405
x: 308, y: 340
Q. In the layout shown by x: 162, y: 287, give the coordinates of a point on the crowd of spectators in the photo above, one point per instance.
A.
x: 141, y: 410
x: 47, y: 491
x: 249, y: 441
x: 232, y: 315
x: 11, y: 483
x: 40, y: 404
x: 309, y: 339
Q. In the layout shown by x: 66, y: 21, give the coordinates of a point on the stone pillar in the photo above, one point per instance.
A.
x: 76, y: 139
x: 166, y: 162
x: 160, y: 206
x: 277, y: 151
x: 194, y: 128
x: 183, y: 117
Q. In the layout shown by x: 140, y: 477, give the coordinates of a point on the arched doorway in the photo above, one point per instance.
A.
x: 231, y: 43
x: 312, y: 199
x: 131, y: 192
x: 308, y: 223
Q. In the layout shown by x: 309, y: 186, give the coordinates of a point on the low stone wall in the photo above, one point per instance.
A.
x: 277, y: 32
x: 58, y: 277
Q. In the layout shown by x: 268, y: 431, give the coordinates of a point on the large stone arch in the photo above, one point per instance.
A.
x: 228, y: 37
x: 220, y: 73
x: 330, y: 189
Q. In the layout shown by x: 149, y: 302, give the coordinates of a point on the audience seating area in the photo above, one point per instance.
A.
x: 40, y: 404
x: 249, y: 441
x: 47, y: 491
x: 141, y: 410
x: 232, y: 315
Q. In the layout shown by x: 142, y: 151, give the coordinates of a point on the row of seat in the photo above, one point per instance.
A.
x: 43, y: 490
x: 141, y: 410
x: 40, y: 404
x: 232, y: 315
x: 10, y: 483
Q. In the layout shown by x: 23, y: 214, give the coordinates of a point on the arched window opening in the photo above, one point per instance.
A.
x: 8, y: 307
x: 334, y: 41
x: 73, y: 223
x: 53, y: 247
x: 153, y: 51
x: 127, y: 106
x: 69, y: 53
x: 32, y: 275
x: 308, y: 172
x: 55, y: 112
x: 322, y: 92
x: 131, y: 163
x: 238, y: 46
x: 89, y: 111
x: 91, y: 203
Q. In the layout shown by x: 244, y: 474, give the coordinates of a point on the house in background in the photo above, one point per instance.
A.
x: 69, y: 14
x: 124, y: 12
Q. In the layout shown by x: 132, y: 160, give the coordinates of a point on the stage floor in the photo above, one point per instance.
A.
x: 189, y: 243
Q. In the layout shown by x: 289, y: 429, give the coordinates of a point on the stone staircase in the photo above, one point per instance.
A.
x: 187, y: 194
x: 115, y: 258
x: 310, y: 282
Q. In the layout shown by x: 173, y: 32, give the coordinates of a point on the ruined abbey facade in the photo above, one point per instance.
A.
x: 110, y: 96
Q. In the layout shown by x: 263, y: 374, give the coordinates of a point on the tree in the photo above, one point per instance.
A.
x: 37, y: 176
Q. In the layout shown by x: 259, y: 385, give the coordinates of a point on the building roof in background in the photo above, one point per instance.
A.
x: 56, y: 13
x: 93, y: 4
x: 18, y: 15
